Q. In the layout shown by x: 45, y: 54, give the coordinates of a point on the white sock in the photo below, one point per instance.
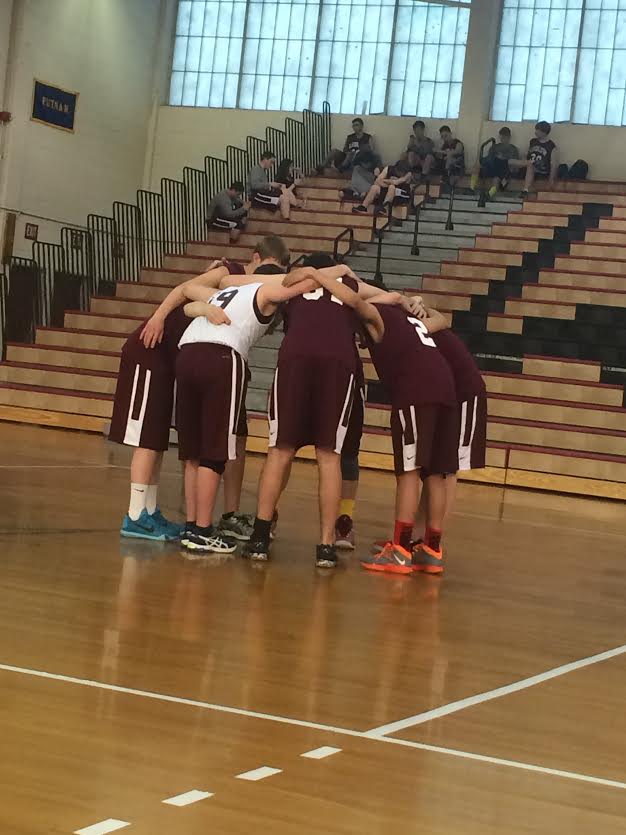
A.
x: 138, y: 498
x: 151, y: 498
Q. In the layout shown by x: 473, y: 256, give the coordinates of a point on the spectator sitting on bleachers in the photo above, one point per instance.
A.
x: 265, y: 194
x: 356, y: 142
x: 390, y: 184
x: 542, y: 160
x: 227, y: 211
x: 364, y: 173
x: 450, y: 156
x: 286, y: 177
x: 495, y: 166
x: 420, y: 152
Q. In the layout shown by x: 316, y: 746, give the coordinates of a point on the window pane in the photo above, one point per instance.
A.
x: 351, y: 45
x: 536, y: 61
x: 433, y: 64
x: 601, y: 81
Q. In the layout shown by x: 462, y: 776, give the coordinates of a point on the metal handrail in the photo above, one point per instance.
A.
x: 415, y: 250
x: 380, y: 233
x: 449, y: 223
x: 349, y: 231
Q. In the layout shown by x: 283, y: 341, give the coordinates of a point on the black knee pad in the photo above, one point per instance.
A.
x: 350, y: 467
x: 217, y: 466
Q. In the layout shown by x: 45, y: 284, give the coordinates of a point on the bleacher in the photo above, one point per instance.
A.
x: 537, y: 291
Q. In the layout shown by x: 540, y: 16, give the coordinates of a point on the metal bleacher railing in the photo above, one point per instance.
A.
x: 110, y: 249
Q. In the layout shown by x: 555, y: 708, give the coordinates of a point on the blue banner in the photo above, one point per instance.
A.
x: 53, y: 106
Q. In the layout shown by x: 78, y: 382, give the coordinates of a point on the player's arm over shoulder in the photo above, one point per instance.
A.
x: 272, y: 294
x: 364, y: 309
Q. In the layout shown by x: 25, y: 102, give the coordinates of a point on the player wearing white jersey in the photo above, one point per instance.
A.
x: 210, y: 377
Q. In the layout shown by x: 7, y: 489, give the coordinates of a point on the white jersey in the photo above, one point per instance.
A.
x: 247, y: 325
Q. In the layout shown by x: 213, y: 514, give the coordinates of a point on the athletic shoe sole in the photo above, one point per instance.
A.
x: 388, y: 569
x: 131, y: 535
x: 191, y: 546
x: 240, y: 537
x: 428, y: 569
x: 325, y: 564
x: 345, y: 545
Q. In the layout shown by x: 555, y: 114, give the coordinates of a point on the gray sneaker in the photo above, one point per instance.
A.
x: 237, y: 526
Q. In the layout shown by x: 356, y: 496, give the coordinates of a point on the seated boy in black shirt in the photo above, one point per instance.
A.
x: 542, y: 160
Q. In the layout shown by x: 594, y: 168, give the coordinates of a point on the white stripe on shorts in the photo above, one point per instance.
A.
x: 345, y: 416
x: 270, y: 199
x: 236, y: 394
x: 409, y: 451
x: 134, y: 427
x: 273, y: 422
x: 465, y: 452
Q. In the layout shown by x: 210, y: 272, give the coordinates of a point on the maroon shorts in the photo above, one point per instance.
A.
x: 352, y: 441
x: 210, y: 387
x: 144, y: 398
x: 310, y: 403
x: 425, y: 437
x: 473, y: 433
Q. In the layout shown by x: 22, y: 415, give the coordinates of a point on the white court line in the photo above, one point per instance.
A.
x: 321, y: 753
x: 421, y: 746
x: 187, y: 798
x: 103, y: 828
x: 480, y: 698
x: 259, y: 773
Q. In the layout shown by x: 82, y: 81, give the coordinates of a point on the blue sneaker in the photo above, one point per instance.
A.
x: 142, y: 528
x: 172, y: 529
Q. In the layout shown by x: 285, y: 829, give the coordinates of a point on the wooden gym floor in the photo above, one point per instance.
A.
x: 131, y: 675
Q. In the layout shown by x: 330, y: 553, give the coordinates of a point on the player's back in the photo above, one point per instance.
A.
x: 319, y: 325
x: 408, y: 362
x: 467, y: 377
x: 247, y: 323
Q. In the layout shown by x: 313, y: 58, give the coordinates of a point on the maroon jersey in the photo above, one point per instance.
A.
x: 234, y: 268
x: 319, y: 325
x: 467, y: 378
x: 408, y: 362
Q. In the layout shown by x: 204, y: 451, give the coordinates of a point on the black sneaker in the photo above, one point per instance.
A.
x: 326, y: 556
x: 188, y: 530
x: 257, y: 551
x: 359, y: 210
x: 523, y: 195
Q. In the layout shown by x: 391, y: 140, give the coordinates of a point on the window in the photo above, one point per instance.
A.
x: 562, y: 60
x: 430, y: 54
x: 403, y: 57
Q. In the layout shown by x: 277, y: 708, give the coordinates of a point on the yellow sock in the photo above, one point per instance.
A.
x: 346, y: 508
x: 474, y: 181
x: 493, y: 191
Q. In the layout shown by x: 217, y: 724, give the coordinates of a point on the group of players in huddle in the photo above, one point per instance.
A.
x: 197, y: 344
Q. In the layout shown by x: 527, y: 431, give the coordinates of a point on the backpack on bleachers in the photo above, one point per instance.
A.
x: 579, y: 170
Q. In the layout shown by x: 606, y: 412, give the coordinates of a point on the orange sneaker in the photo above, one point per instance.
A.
x: 392, y: 559
x: 427, y: 560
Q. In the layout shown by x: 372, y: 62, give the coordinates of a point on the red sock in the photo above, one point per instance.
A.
x: 432, y: 538
x: 402, y: 533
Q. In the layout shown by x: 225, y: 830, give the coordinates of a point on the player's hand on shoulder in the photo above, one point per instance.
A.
x: 216, y: 315
x: 152, y: 334
x: 414, y: 305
